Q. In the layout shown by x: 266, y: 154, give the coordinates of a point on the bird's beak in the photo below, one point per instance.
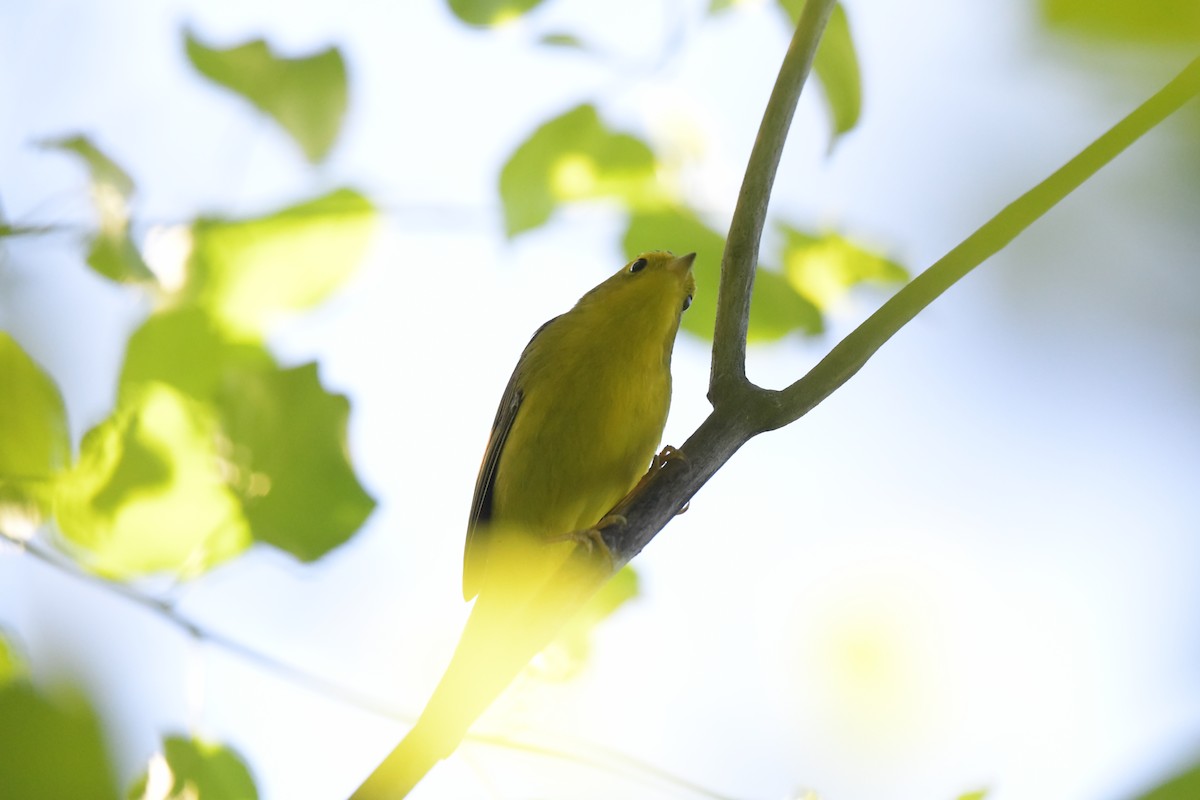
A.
x: 683, y: 264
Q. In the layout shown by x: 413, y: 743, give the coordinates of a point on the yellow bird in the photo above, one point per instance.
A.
x: 578, y: 424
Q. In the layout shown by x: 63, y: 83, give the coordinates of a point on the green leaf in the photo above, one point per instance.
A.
x: 823, y: 268
x: 12, y: 665
x: 113, y: 255
x: 291, y: 466
x: 284, y: 452
x: 246, y: 273
x: 149, y: 492
x: 186, y: 349
x: 775, y: 307
x: 1157, y: 22
x: 567, y: 40
x: 575, y: 157
x: 111, y: 252
x: 51, y: 749
x: 106, y: 174
x: 201, y: 770
x: 487, y: 13
x: 776, y: 310
x: 34, y: 443
x: 1184, y: 786
x: 979, y: 794
x: 566, y: 655
x: 306, y: 96
x: 836, y: 66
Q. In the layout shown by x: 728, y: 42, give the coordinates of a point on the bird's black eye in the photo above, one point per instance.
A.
x: 638, y: 265
x: 687, y: 302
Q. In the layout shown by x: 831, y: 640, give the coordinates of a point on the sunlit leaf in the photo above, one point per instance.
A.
x: 979, y: 794
x: 285, y: 457
x: 823, y: 268
x: 1158, y: 21
x: 113, y: 255
x: 775, y: 307
x: 185, y: 348
x: 565, y: 656
x: 306, y: 96
x: 111, y: 252
x: 1184, y: 786
x: 106, y: 174
x: 51, y: 749
x: 836, y: 67
x: 486, y: 13
x: 12, y: 664
x: 575, y: 157
x: 248, y: 272
x: 567, y: 40
x: 197, y: 770
x: 34, y: 444
x: 291, y: 465
x: 149, y: 494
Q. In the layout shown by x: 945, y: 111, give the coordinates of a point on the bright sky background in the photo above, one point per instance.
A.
x: 974, y: 566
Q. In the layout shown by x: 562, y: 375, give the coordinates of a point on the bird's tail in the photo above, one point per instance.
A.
x: 500, y: 638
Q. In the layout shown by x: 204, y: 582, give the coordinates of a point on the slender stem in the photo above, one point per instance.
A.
x: 584, y: 754
x: 728, y: 377
x: 850, y: 354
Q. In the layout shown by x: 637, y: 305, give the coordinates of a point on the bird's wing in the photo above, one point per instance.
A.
x: 475, y: 554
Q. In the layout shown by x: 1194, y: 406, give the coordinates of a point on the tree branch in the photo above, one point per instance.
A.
x: 850, y: 354
x: 728, y: 377
x: 743, y: 410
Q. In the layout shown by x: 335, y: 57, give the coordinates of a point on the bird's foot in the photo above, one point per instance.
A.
x: 593, y: 538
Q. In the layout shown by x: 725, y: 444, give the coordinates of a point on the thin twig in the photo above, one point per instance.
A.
x: 852, y: 352
x: 607, y: 759
x: 728, y: 377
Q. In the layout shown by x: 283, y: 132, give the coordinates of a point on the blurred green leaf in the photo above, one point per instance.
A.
x: 775, y: 307
x: 566, y: 655
x: 291, y: 467
x: 50, y: 750
x: 563, y: 40
x: 248, y: 272
x: 836, y: 66
x: 824, y: 268
x: 1157, y: 22
x: 185, y: 348
x: 12, y: 665
x: 776, y: 310
x: 273, y: 442
x: 113, y: 255
x: 1184, y: 786
x: 106, y: 174
x: 979, y: 794
x: 111, y: 252
x: 201, y: 771
x: 34, y: 444
x: 149, y: 492
x: 485, y: 13
x: 307, y: 96
x: 575, y: 157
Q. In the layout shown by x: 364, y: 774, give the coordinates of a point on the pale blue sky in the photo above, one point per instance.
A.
x: 972, y: 566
